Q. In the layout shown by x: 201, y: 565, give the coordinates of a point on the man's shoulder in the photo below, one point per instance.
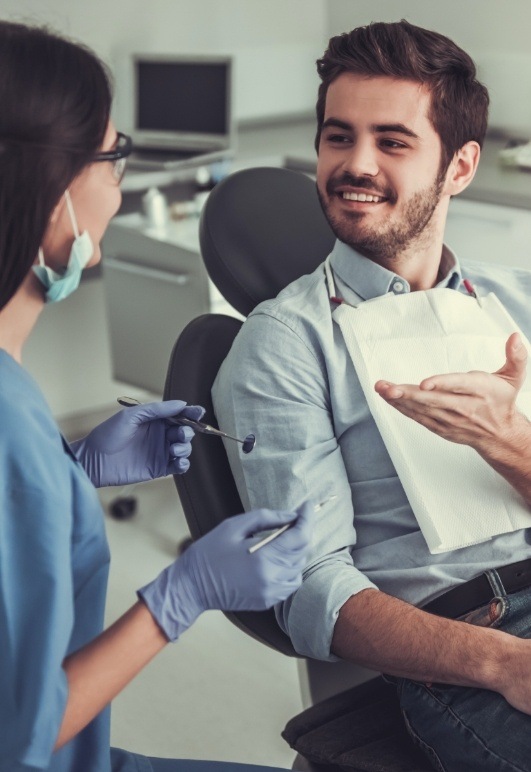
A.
x: 513, y: 281
x: 510, y: 284
x: 496, y: 272
x: 295, y: 326
x: 301, y: 306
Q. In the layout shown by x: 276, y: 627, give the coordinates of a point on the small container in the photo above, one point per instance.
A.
x: 155, y: 208
x: 182, y: 210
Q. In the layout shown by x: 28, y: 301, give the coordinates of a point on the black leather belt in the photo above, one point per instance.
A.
x: 478, y: 592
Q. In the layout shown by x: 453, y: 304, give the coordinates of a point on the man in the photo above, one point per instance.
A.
x: 401, y: 120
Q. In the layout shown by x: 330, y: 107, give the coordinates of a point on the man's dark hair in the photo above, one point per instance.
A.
x: 55, y: 99
x: 459, y: 102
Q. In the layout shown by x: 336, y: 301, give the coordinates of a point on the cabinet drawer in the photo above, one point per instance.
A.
x: 489, y: 233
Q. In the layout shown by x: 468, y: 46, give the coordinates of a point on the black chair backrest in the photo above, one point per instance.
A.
x: 260, y: 230
x: 207, y: 491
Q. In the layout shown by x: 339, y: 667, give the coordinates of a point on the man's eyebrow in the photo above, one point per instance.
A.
x: 337, y: 124
x: 397, y: 128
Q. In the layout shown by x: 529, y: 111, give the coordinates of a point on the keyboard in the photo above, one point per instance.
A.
x: 158, y: 159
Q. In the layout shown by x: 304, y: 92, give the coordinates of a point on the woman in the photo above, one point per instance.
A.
x: 61, y: 161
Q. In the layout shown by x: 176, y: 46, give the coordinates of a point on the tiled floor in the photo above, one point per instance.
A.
x: 214, y: 694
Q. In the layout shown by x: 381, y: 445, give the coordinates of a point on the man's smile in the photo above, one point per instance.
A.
x: 364, y: 197
x: 357, y: 196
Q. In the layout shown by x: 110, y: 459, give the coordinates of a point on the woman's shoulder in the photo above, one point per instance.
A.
x: 27, y: 427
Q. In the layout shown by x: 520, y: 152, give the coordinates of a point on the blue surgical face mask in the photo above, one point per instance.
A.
x: 59, y: 286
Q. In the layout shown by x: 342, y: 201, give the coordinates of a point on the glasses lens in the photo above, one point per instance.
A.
x: 118, y: 168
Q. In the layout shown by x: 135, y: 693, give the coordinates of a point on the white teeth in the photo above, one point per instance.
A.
x: 366, y: 197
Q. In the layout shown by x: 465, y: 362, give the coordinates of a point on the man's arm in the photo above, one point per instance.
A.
x: 387, y: 634
x: 477, y: 409
x: 273, y: 385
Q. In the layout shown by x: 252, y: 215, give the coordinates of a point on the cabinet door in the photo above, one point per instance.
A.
x: 147, y: 309
x: 489, y: 233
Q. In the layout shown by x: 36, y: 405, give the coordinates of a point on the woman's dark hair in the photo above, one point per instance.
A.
x: 55, y: 101
x: 459, y: 102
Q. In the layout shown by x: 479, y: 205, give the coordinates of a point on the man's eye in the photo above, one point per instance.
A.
x: 337, y: 138
x: 393, y: 144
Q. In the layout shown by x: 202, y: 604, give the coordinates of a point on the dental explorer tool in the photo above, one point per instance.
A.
x: 273, y: 535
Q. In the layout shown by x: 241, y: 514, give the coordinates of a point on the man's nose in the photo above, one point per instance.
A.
x: 362, y: 158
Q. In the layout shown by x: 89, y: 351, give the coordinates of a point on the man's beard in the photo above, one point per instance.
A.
x: 385, y: 242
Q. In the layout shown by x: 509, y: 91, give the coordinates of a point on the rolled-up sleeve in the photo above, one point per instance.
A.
x: 274, y: 384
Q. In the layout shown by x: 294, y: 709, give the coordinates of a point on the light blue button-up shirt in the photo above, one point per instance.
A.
x: 289, y: 379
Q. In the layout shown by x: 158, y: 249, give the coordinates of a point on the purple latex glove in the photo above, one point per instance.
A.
x: 217, y: 571
x: 138, y: 444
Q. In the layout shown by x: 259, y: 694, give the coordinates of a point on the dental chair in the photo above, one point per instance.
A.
x: 261, y: 229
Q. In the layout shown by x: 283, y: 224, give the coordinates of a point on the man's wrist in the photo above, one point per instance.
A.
x: 510, y: 446
x: 501, y: 662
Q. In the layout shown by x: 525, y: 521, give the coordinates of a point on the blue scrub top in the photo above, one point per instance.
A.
x: 54, y: 562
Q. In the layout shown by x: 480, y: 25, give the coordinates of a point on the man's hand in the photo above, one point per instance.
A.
x: 474, y: 408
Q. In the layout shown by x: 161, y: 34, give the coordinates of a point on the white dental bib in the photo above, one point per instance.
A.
x: 457, y: 498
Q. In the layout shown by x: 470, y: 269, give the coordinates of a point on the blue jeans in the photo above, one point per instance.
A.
x: 473, y: 730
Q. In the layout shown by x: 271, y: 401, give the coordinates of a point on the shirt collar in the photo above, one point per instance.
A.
x: 370, y: 280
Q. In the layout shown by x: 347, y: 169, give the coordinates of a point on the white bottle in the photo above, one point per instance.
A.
x: 155, y: 208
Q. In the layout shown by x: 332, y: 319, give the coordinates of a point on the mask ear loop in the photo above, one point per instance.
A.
x: 73, y: 221
x: 71, y: 213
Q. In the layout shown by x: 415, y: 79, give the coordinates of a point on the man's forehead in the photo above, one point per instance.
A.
x: 378, y: 100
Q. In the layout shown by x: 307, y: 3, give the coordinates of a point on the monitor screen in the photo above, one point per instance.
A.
x: 182, y: 97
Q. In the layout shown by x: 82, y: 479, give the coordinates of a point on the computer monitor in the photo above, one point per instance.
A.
x: 182, y: 102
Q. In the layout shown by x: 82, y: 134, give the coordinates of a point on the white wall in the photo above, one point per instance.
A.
x: 494, y: 33
x: 274, y: 43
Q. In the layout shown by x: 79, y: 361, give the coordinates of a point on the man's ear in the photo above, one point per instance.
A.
x: 462, y: 168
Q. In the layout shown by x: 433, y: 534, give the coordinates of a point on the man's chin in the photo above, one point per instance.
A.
x: 352, y: 230
x: 354, y: 235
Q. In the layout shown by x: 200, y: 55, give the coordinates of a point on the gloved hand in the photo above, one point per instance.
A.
x: 138, y: 444
x: 217, y: 571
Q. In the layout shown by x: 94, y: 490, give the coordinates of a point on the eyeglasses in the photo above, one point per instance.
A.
x: 118, y: 156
